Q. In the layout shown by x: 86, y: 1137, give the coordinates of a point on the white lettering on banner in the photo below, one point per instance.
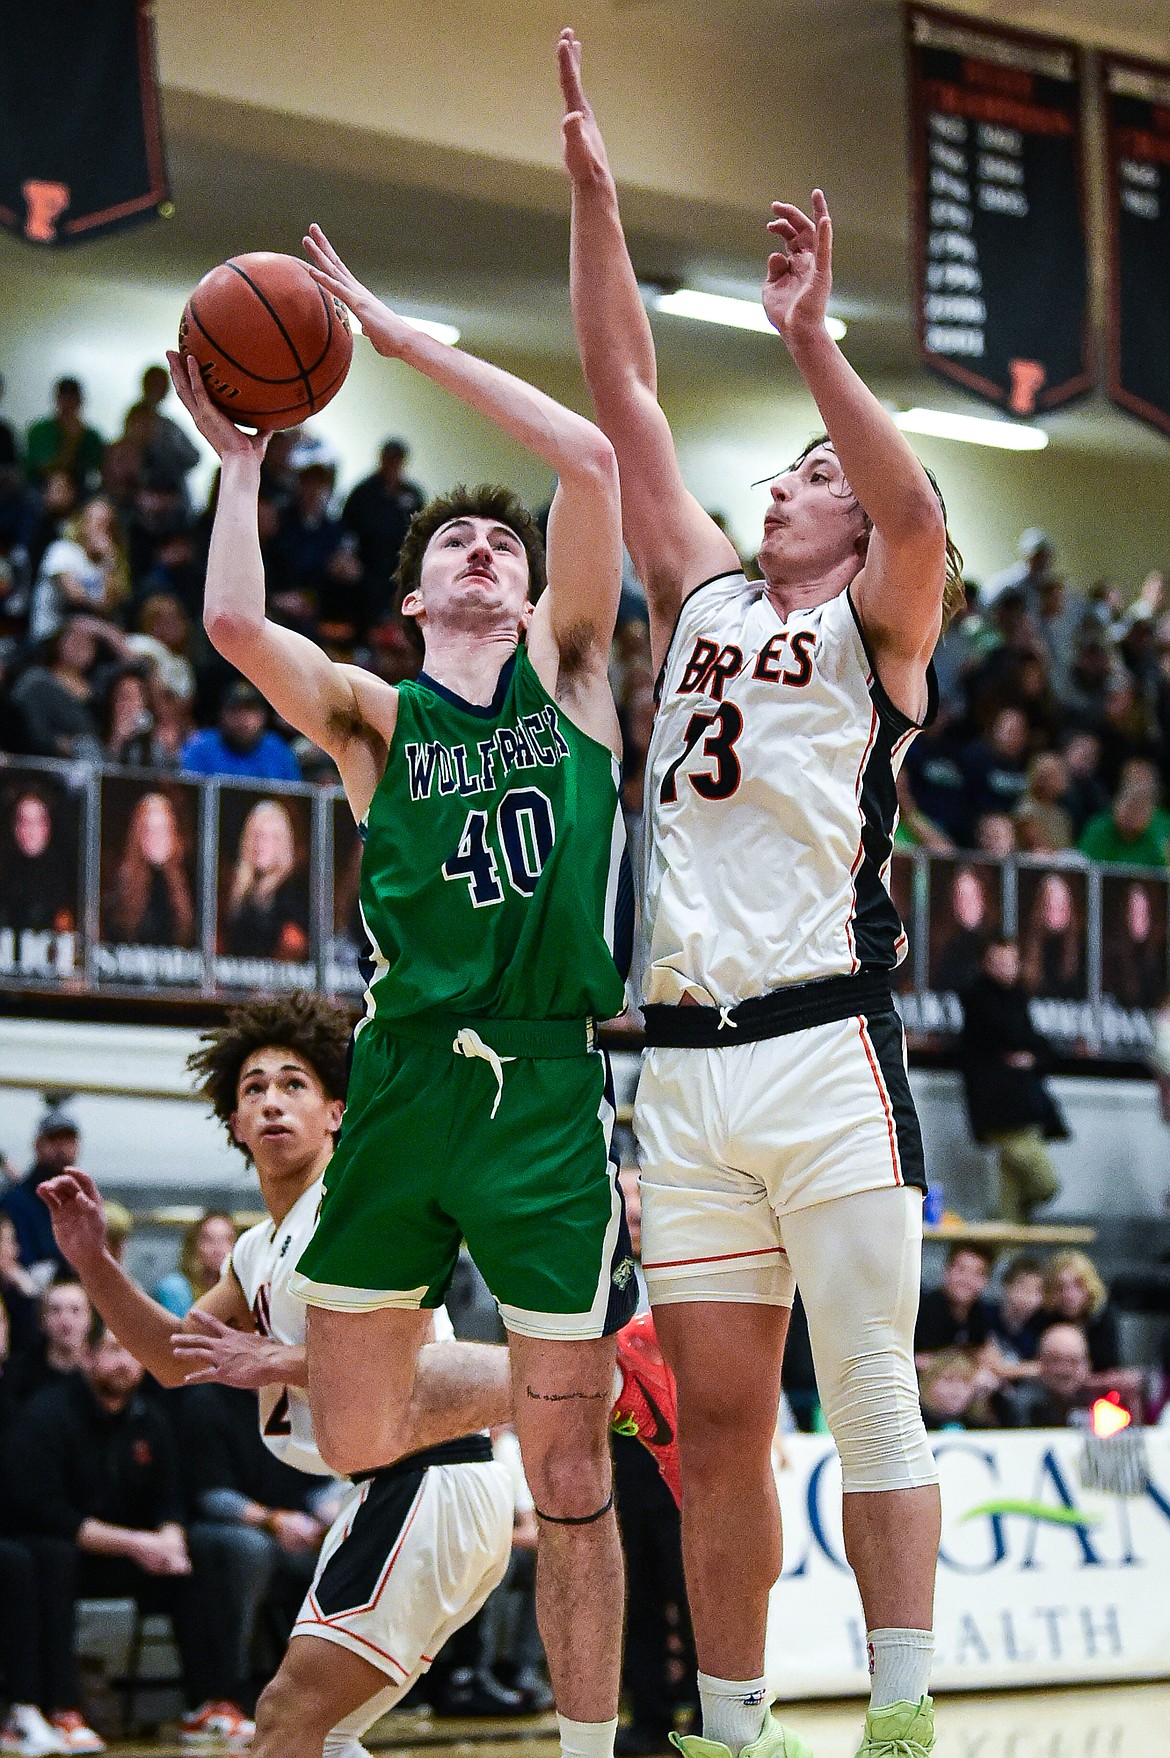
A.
x: 147, y: 964
x: 32, y: 952
x: 994, y: 169
x: 993, y: 198
x: 952, y: 128
x: 949, y: 157
x: 953, y: 276
x: 1040, y: 1580
x: 1136, y: 201
x: 263, y: 973
x: 952, y: 339
x: 953, y: 245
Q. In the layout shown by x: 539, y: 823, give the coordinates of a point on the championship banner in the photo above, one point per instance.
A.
x: 81, y: 149
x: 1136, y: 101
x: 1044, y: 1577
x: 1000, y: 282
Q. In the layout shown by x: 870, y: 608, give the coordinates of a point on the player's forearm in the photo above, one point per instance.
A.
x: 145, y: 1327
x: 285, y: 1365
x: 880, y: 466
x: 613, y: 332
x: 233, y: 602
x: 565, y: 441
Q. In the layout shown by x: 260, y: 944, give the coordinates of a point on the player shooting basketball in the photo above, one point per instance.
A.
x: 777, y: 1129
x: 479, y: 1106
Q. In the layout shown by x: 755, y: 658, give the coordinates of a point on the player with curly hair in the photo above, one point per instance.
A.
x: 414, y: 1549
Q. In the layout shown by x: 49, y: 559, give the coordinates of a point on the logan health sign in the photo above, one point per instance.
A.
x: 1042, y: 1578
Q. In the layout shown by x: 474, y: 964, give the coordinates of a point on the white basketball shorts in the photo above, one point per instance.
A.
x: 732, y: 1140
x: 411, y: 1557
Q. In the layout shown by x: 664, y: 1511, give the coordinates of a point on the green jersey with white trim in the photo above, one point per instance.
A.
x: 494, y: 882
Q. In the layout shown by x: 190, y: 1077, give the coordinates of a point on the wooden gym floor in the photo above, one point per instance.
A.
x: 1120, y: 1721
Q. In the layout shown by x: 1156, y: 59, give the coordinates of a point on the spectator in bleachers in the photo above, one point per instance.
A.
x: 1015, y: 1320
x: 241, y: 744
x: 1035, y: 566
x: 61, y: 1346
x: 169, y: 453
x: 1074, y: 1294
x: 1043, y: 825
x: 55, y: 700
x: 995, y: 834
x: 122, y: 465
x: 317, y: 571
x: 934, y: 771
x: 1060, y: 1393
x: 954, y: 1390
x: 86, y: 569
x: 996, y: 768
x: 62, y: 441
x: 377, y: 512
x: 19, y: 1304
x: 164, y: 638
x: 207, y: 1245
x: 1002, y: 1058
x: 130, y: 738
x: 956, y: 1315
x: 57, y: 502
x: 57, y: 1145
x: 1092, y: 674
x: 1086, y: 794
x: 1135, y: 831
x: 92, y: 1476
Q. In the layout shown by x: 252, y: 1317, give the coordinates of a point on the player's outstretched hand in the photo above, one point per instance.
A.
x: 222, y: 434
x: 211, y: 1352
x: 800, y: 277
x: 78, y: 1215
x: 585, y: 156
x: 386, y: 330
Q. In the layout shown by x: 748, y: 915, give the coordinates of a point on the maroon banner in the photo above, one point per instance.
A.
x: 1136, y: 98
x: 1000, y: 281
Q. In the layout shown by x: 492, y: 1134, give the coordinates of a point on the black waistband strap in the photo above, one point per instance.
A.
x: 792, y: 1009
x: 469, y: 1449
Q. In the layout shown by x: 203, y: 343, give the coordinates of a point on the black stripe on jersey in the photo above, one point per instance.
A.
x: 623, y: 916
x: 727, y: 574
x: 623, y: 1280
x: 900, y: 722
x: 350, y: 1578
x: 885, y: 1034
x: 480, y: 711
x: 875, y: 924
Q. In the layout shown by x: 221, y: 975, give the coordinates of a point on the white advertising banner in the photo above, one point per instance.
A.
x: 1042, y: 1579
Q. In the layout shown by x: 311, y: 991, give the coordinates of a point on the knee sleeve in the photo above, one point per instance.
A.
x: 858, y: 1264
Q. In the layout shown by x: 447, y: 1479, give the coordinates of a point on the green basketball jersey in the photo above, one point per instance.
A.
x: 494, y: 849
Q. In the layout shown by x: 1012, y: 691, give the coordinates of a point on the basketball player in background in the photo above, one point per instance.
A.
x: 414, y: 1549
x: 478, y: 1105
x: 777, y: 1129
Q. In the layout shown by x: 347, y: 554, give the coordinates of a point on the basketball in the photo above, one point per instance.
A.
x: 272, y: 346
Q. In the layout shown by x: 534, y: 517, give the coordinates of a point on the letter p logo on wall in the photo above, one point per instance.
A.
x: 1028, y: 378
x: 45, y: 203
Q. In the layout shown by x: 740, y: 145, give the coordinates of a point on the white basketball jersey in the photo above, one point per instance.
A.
x: 263, y: 1259
x: 771, y: 794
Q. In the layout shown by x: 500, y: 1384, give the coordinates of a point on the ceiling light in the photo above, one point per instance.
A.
x: 441, y: 332
x: 1009, y: 436
x: 719, y: 308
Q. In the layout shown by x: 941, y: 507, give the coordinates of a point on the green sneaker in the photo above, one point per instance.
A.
x: 900, y: 1730
x: 774, y: 1742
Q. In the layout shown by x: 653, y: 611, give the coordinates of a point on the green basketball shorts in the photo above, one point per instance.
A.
x: 493, y: 1132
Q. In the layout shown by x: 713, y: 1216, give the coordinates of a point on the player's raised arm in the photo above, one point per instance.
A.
x: 899, y: 592
x: 585, y: 589
x: 673, y: 542
x: 325, y: 701
x: 147, y: 1329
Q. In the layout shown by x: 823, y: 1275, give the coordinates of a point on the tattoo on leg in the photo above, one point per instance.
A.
x: 565, y: 1397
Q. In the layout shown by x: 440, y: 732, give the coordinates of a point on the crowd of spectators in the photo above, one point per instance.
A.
x: 1053, y: 731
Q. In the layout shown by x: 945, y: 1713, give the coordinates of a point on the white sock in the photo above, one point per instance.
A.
x: 733, y: 1710
x: 343, y: 1746
x: 899, y: 1665
x: 587, y: 1739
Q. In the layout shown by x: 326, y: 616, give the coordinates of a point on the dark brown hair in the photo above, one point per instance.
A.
x: 954, y: 590
x: 301, y: 1021
x: 488, y: 500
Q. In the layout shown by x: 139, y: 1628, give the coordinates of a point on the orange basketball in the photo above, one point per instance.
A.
x: 272, y: 346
